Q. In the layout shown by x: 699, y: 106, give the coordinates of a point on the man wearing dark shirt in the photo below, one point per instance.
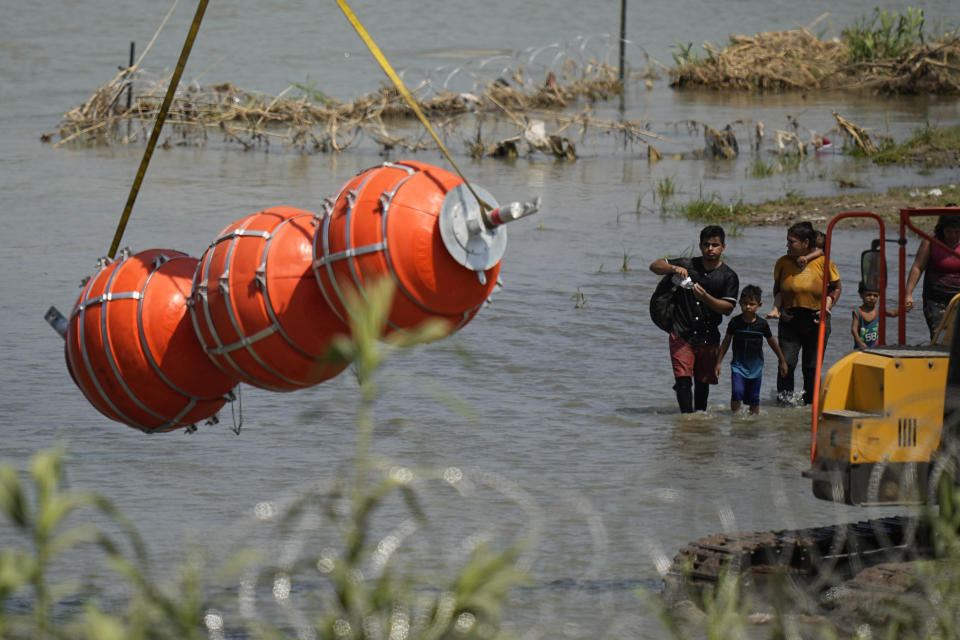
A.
x: 699, y: 308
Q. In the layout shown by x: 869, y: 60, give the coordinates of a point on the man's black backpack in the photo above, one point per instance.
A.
x: 663, y: 303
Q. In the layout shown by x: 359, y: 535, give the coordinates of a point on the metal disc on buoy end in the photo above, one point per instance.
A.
x: 465, y: 237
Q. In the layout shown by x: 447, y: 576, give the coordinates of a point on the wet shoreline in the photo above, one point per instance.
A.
x: 786, y: 211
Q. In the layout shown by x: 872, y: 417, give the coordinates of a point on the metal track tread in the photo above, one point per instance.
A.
x: 818, y: 557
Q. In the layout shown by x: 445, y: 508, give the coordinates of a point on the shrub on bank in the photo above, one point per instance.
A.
x: 888, y: 53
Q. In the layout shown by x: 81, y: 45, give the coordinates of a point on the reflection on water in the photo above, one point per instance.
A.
x: 573, y: 405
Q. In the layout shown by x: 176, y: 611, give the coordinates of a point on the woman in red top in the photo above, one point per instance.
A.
x: 941, y: 272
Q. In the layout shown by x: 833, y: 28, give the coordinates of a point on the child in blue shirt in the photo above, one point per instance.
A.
x: 747, y: 332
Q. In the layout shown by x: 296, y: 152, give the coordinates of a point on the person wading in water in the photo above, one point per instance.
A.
x: 707, y: 291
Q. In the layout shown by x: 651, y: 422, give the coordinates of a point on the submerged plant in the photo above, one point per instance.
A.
x: 712, y: 209
x: 580, y: 300
x: 761, y: 169
x: 666, y: 188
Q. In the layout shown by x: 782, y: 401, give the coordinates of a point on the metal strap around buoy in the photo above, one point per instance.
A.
x: 351, y: 197
x: 323, y: 223
x: 166, y: 421
x: 244, y: 233
x: 107, y: 297
x: 200, y: 290
x: 157, y: 369
x: 245, y: 342
x: 85, y: 355
x: 112, y: 362
x: 386, y: 200
x: 268, y: 306
x: 158, y: 125
x: 350, y: 253
x: 401, y: 87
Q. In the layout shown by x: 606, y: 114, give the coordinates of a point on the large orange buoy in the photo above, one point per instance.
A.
x: 131, y: 349
x: 256, y: 306
x: 256, y: 312
x: 385, y: 223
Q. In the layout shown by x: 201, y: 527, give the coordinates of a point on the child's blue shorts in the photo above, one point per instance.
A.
x: 745, y: 390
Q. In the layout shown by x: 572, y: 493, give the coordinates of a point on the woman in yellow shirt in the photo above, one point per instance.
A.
x: 797, y: 292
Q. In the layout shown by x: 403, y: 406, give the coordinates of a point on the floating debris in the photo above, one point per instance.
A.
x: 855, y: 135
x: 315, y: 121
x: 720, y: 144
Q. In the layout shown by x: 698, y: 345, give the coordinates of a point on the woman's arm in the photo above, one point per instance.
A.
x: 833, y: 293
x: 919, y: 266
x: 777, y: 301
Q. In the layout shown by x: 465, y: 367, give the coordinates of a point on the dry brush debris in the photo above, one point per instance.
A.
x: 316, y: 122
x: 799, y: 60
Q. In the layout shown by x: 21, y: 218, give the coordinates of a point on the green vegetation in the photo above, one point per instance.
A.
x: 580, y: 300
x: 712, y: 210
x: 788, y: 162
x: 929, y: 147
x: 884, y: 34
x: 355, y: 587
x: 761, y: 169
x: 666, y: 188
x: 684, y: 54
x: 793, y: 197
x: 310, y: 91
x: 885, y: 53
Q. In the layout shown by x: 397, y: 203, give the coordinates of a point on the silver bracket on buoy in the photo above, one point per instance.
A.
x: 56, y: 320
x: 476, y: 241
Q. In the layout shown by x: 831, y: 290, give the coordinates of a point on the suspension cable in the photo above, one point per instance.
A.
x: 398, y: 83
x: 157, y: 126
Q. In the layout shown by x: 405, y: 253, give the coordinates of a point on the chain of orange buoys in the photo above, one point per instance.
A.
x: 158, y: 340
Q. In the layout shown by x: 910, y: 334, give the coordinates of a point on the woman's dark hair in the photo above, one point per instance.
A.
x: 803, y: 231
x: 944, y: 223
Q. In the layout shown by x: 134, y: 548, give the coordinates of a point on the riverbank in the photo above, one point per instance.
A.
x: 793, y: 208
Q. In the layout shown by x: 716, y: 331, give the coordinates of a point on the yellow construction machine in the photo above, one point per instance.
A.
x: 879, y: 415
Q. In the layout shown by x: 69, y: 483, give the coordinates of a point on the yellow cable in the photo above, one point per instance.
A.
x: 398, y: 83
x: 157, y: 126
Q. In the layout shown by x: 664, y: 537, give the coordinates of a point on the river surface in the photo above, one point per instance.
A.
x: 563, y: 410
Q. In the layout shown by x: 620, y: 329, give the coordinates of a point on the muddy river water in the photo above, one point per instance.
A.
x: 564, y: 408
